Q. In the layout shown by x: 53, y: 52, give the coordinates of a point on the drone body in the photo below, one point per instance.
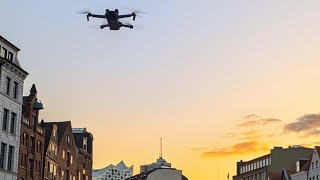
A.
x: 113, y: 19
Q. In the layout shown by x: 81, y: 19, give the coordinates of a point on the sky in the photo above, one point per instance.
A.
x: 220, y: 81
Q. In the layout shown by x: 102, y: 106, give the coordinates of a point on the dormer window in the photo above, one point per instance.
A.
x: 4, y: 53
x: 10, y: 56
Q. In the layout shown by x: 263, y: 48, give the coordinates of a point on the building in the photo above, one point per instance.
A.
x: 32, y: 139
x: 111, y: 172
x: 308, y: 168
x: 84, y: 148
x: 161, y: 173
x: 159, y: 170
x: 50, y: 162
x: 65, y: 156
x: 156, y: 165
x: 270, y: 166
x: 11, y: 89
x: 61, y: 158
x: 302, y: 168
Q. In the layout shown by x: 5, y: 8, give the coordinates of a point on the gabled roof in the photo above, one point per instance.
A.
x: 61, y: 128
x: 48, y: 130
x: 317, y: 148
x: 285, y: 175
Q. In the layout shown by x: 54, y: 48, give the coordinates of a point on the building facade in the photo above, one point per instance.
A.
x: 32, y: 135
x: 84, y: 148
x: 63, y: 159
x: 160, y: 174
x: 270, y: 166
x: 310, y: 169
x: 159, y: 170
x: 111, y: 172
x: 11, y: 90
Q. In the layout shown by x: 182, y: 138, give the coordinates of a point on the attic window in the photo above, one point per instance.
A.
x: 10, y: 56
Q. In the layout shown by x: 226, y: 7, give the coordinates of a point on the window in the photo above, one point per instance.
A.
x: 71, y: 159
x: 8, y: 85
x: 316, y: 164
x: 10, y: 158
x: 2, y: 155
x: 13, y: 122
x: 63, y: 154
x: 4, y: 53
x: 15, y: 90
x: 5, y: 119
x: 85, y: 143
x: 312, y: 165
x: 68, y: 140
x: 39, y: 147
x: 10, y: 56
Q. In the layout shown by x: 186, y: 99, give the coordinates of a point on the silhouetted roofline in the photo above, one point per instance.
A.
x: 9, y: 43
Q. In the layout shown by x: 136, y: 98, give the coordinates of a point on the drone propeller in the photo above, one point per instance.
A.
x: 84, y: 11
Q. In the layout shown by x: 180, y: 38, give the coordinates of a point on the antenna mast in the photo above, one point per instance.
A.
x: 161, y: 148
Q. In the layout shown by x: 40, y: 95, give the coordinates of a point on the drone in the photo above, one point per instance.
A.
x: 113, y: 19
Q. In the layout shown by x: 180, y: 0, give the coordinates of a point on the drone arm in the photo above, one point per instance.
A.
x: 96, y: 16
x: 128, y: 15
x: 125, y: 16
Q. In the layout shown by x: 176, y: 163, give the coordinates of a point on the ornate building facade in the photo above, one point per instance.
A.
x: 11, y: 89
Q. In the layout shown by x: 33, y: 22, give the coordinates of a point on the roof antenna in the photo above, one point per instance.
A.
x: 161, y: 148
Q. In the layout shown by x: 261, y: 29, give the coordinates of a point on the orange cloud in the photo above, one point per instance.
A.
x: 260, y: 122
x: 238, y: 149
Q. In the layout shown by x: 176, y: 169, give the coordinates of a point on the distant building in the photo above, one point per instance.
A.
x: 12, y: 77
x: 159, y: 170
x: 161, y: 173
x: 32, y: 139
x: 156, y: 165
x: 270, y: 166
x: 111, y: 172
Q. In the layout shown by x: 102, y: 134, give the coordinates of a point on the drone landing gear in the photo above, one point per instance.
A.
x: 103, y: 26
x: 127, y: 25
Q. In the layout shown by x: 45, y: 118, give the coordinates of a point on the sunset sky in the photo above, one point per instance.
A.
x: 220, y: 81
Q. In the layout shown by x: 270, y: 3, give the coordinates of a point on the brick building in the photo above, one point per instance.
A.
x: 84, y: 146
x: 32, y: 139
x: 63, y: 159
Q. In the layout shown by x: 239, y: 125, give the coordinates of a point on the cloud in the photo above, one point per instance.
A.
x: 260, y: 122
x: 198, y: 149
x: 237, y: 149
x: 251, y: 116
x: 307, y: 124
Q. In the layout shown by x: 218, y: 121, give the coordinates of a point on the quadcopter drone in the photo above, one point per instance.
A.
x: 113, y: 19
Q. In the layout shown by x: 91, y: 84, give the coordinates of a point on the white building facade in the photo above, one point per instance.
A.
x: 314, y: 169
x: 311, y: 169
x: 111, y: 172
x: 11, y: 94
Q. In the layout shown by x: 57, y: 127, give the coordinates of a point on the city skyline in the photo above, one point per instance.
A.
x: 219, y: 81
